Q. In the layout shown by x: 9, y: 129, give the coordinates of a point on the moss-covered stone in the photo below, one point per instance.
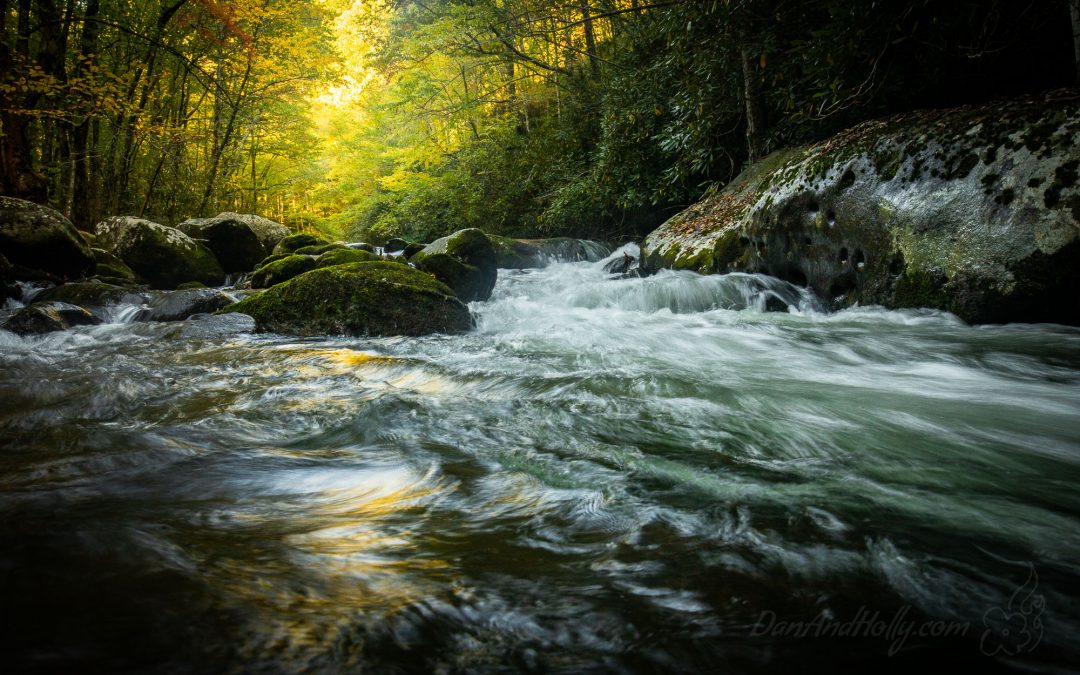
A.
x: 514, y: 254
x: 297, y: 241
x: 465, y: 261
x: 411, y: 250
x: 319, y: 250
x: 271, y: 258
x: 394, y: 245
x: 966, y: 210
x: 342, y: 256
x: 365, y: 298
x: 37, y: 237
x: 165, y: 257
x: 268, y: 231
x: 112, y: 267
x: 188, y: 285
x: 282, y: 270
x: 91, y: 294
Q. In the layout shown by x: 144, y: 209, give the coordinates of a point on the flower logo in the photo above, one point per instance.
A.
x: 1016, y: 628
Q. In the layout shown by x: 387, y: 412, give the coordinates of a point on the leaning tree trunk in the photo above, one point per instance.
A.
x: 755, y: 108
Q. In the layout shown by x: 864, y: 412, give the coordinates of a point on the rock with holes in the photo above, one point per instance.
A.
x: 163, y: 256
x: 973, y: 210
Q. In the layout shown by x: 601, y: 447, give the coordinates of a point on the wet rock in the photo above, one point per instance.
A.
x: 465, y: 261
x: 974, y: 210
x: 39, y: 238
x: 180, y: 304
x: 282, y: 270
x: 624, y: 264
x: 231, y: 240
x: 92, y: 294
x: 165, y: 257
x: 394, y: 245
x: 343, y: 256
x: 48, y: 317
x: 320, y: 249
x: 366, y: 298
x: 411, y: 250
x: 297, y: 241
x: 209, y: 326
x: 362, y: 246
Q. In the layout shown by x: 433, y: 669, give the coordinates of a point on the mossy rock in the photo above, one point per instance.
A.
x: 319, y: 250
x: 465, y: 261
x: 973, y: 210
x: 91, y: 294
x: 39, y: 238
x: 282, y: 270
x: 165, y: 257
x: 411, y: 250
x: 108, y: 265
x: 271, y: 258
x: 268, y: 231
x: 394, y: 245
x: 188, y: 285
x: 366, y: 298
x: 297, y: 241
x: 342, y: 256
x: 514, y: 254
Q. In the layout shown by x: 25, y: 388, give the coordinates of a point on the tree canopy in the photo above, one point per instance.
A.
x: 379, y: 118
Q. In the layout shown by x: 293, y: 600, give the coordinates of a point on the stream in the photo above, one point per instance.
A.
x: 607, y: 475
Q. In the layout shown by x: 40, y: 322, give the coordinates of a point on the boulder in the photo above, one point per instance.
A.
x: 295, y: 241
x: 163, y: 256
x: 91, y: 294
x: 181, y: 304
x: 411, y: 250
x: 48, y: 317
x: 362, y: 246
x: 231, y: 240
x: 465, y: 261
x: 366, y: 298
x: 342, y: 256
x: 272, y: 258
x: 282, y: 270
x: 394, y: 245
x: 973, y: 210
x: 515, y: 254
x: 216, y: 326
x: 268, y: 231
x: 320, y: 249
x: 112, y: 268
x: 39, y: 238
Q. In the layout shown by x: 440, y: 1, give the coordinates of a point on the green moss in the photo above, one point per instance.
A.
x: 272, y: 258
x: 919, y: 288
x: 296, y: 241
x: 319, y: 249
x: 365, y: 298
x: 281, y: 270
x: 342, y: 256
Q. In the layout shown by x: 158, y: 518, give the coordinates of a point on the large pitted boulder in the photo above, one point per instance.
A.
x: 232, y: 241
x: 181, y: 304
x: 282, y: 270
x: 39, y: 238
x: 164, y: 256
x: 973, y: 210
x: 293, y: 242
x: 48, y: 317
x: 366, y: 298
x: 465, y: 261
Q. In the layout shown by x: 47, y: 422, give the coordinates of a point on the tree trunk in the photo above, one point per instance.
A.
x: 755, y: 108
x: 590, y: 39
x: 82, y: 215
x: 1074, y: 15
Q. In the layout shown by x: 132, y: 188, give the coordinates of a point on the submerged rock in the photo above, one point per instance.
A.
x: 973, y: 210
x: 297, y: 241
x: 366, y: 298
x: 180, y: 304
x: 465, y: 261
x: 48, y: 317
x: 163, y: 256
x: 282, y: 270
x: 206, y: 326
x: 39, y: 238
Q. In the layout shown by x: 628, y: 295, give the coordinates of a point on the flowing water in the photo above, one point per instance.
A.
x: 607, y: 475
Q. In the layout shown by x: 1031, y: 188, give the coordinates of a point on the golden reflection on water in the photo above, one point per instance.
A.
x: 349, y: 552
